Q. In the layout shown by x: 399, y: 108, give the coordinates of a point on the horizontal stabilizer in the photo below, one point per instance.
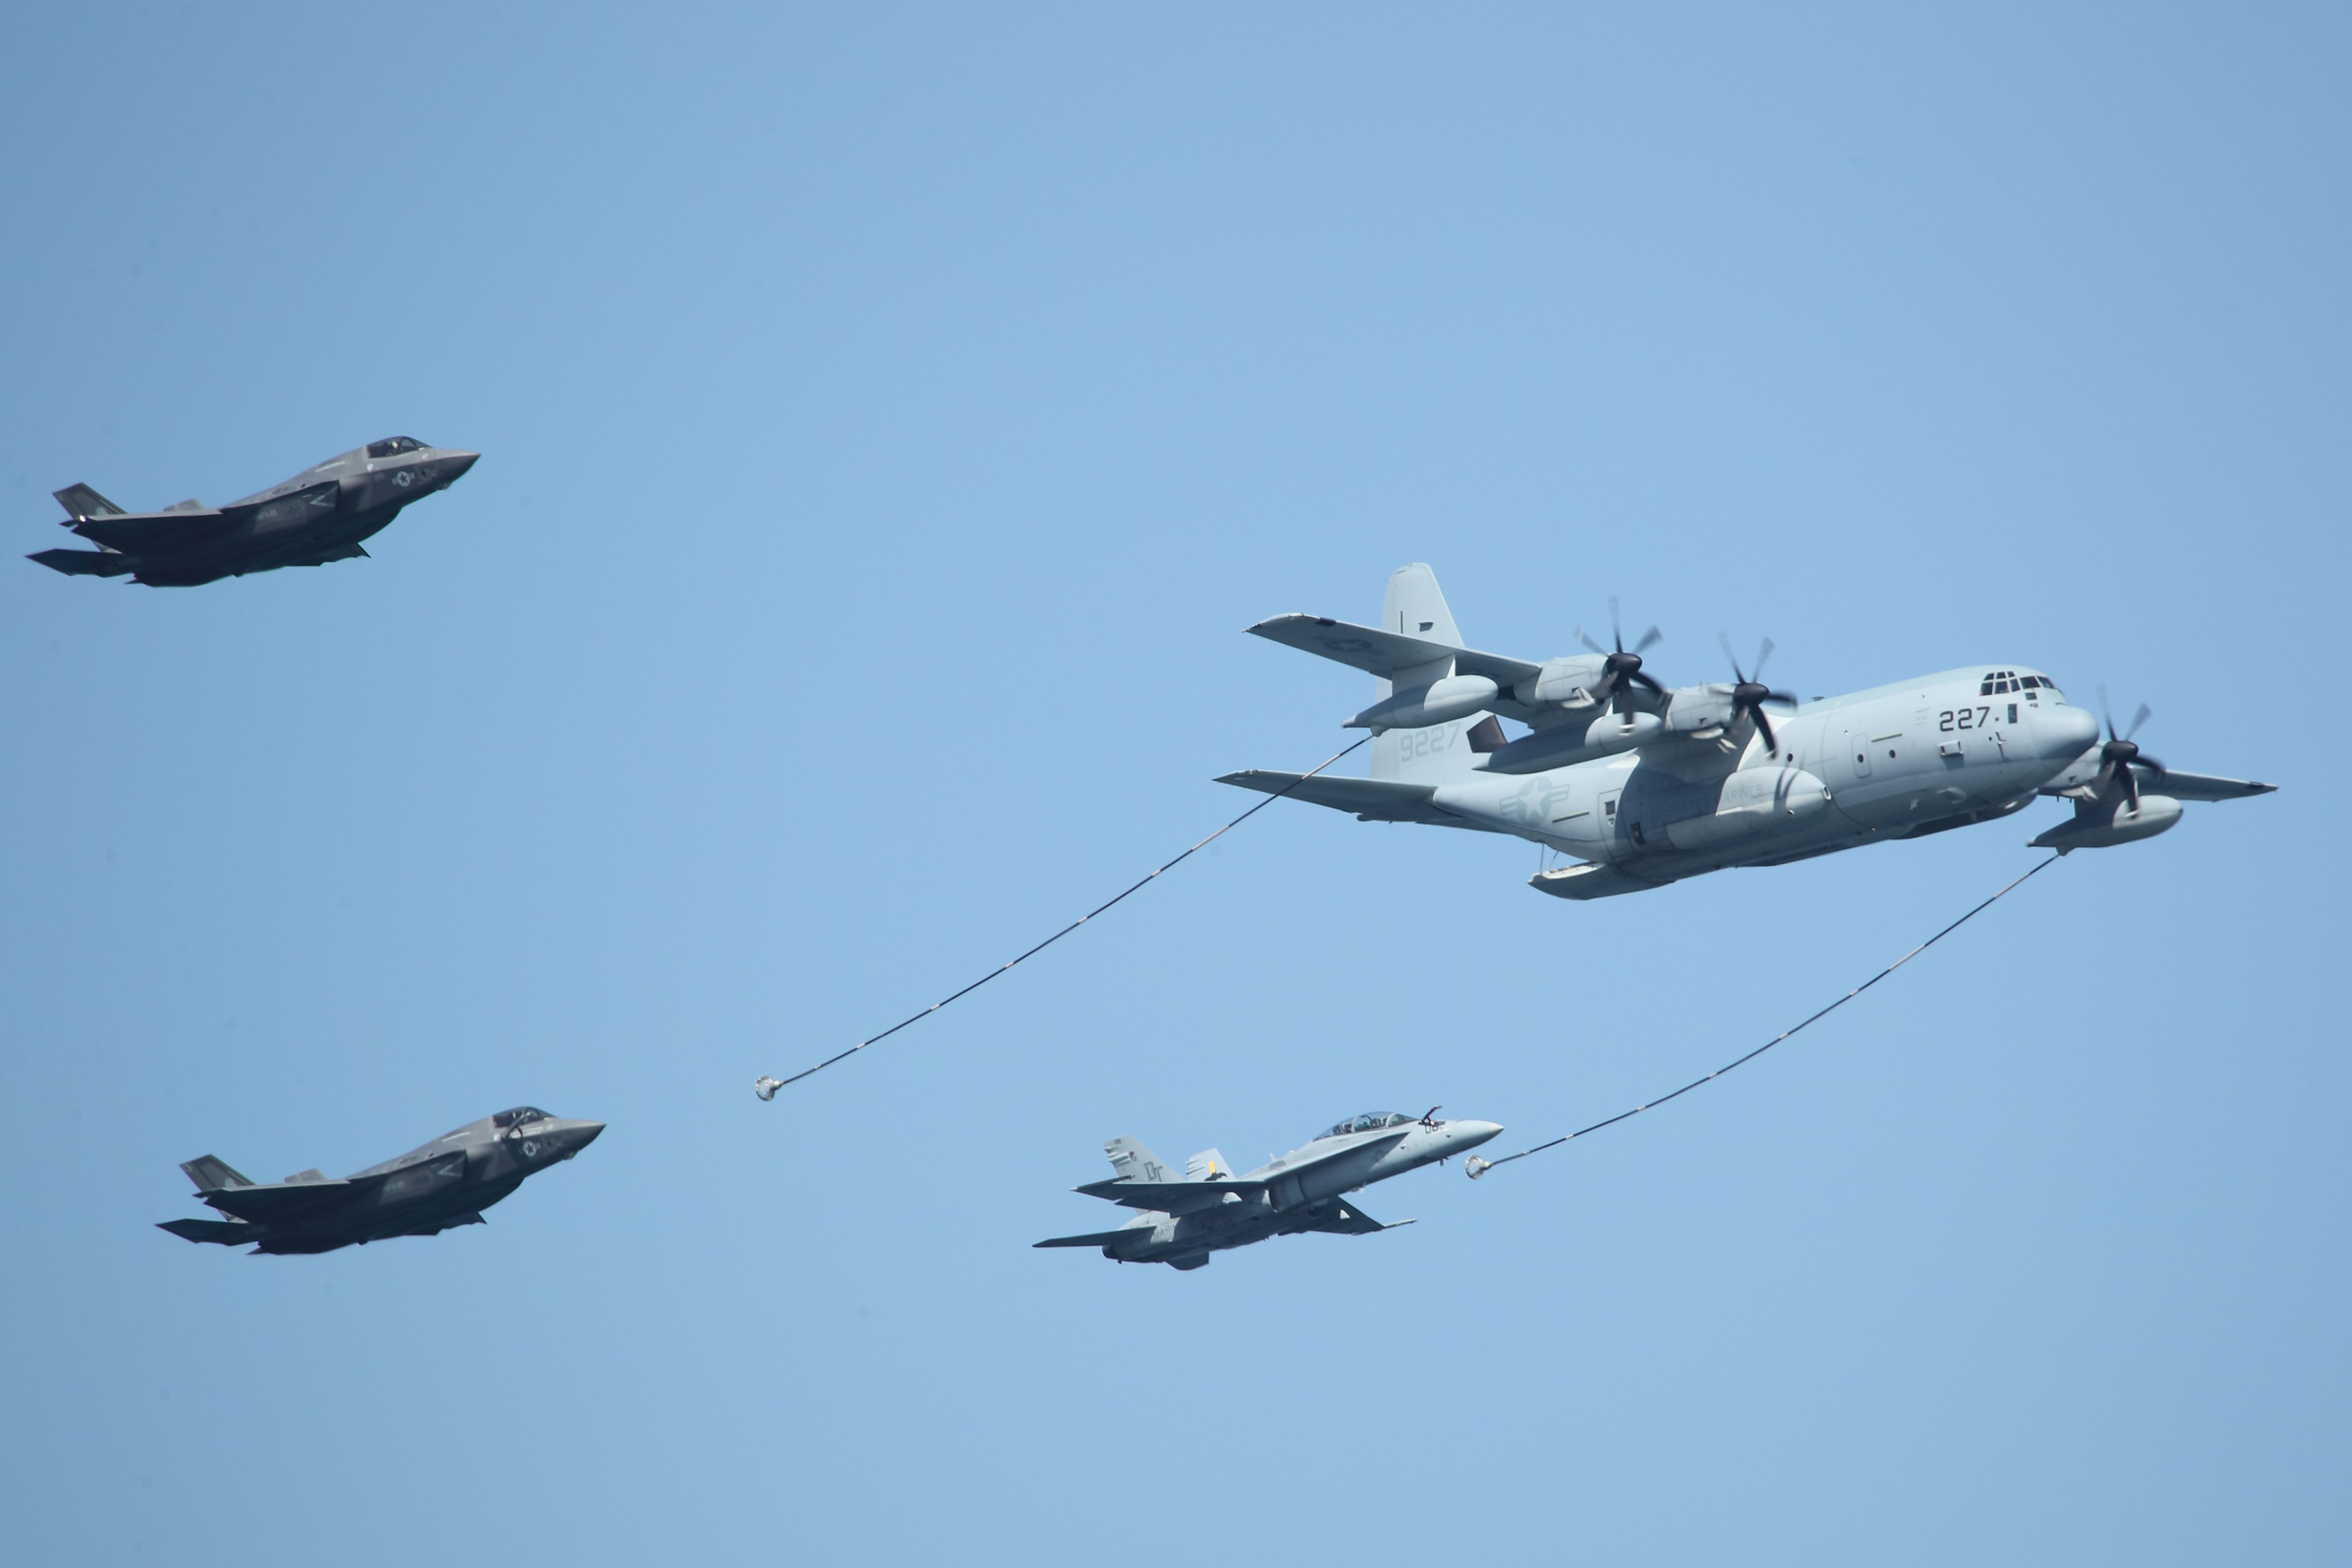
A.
x: 1373, y: 800
x: 84, y: 562
x: 1173, y: 1197
x: 211, y: 1173
x: 80, y: 501
x: 1383, y: 653
x: 1097, y: 1238
x: 227, y: 1232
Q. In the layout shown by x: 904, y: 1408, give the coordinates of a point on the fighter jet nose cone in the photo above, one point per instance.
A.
x: 588, y: 1131
x: 1476, y: 1133
x: 457, y: 463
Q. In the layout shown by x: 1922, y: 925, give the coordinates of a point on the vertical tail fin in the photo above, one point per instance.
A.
x: 1441, y: 754
x: 81, y: 501
x: 213, y: 1174
x: 1208, y: 1165
x: 1134, y: 1163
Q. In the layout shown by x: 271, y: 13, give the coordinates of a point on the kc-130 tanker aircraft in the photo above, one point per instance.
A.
x: 318, y: 515
x: 1211, y: 1209
x: 446, y: 1184
x: 1644, y: 785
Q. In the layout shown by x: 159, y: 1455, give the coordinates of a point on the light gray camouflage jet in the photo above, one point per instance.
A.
x: 1644, y: 787
x: 447, y: 1183
x: 318, y: 516
x: 1210, y: 1209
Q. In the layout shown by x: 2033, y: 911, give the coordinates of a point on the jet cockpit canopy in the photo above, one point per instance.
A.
x: 1370, y: 1122
x: 395, y: 446
x: 518, y: 1117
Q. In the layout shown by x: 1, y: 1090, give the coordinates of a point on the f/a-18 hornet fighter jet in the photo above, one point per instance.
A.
x: 1211, y: 1209
x: 318, y: 516
x: 447, y: 1183
x: 1643, y: 785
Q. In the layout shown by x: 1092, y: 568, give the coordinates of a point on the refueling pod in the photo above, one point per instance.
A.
x: 1558, y: 746
x: 2124, y: 825
x: 1417, y: 708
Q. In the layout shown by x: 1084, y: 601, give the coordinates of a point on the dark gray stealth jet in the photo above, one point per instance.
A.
x: 447, y: 1183
x: 316, y: 516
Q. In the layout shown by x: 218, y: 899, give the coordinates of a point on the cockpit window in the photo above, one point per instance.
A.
x: 1370, y: 1122
x: 518, y: 1117
x: 396, y: 446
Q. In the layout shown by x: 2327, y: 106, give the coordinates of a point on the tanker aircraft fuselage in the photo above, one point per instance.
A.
x: 1643, y: 786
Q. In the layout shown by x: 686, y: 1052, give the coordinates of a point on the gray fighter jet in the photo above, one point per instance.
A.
x: 447, y: 1183
x: 1211, y: 1209
x: 315, y: 517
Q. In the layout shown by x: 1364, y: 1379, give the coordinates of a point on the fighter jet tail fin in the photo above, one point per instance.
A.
x: 211, y: 1175
x: 227, y: 1232
x: 1208, y: 1165
x: 81, y: 501
x: 1134, y: 1163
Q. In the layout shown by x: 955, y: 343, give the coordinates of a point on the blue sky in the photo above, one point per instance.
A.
x: 890, y: 419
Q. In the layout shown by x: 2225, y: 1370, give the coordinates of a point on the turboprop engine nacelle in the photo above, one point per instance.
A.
x: 1754, y: 801
x: 1455, y: 697
x: 2123, y: 826
x: 1561, y: 744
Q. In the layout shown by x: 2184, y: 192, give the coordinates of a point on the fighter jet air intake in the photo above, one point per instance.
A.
x: 1642, y: 786
x: 446, y: 1183
x: 318, y: 516
x: 1210, y: 1209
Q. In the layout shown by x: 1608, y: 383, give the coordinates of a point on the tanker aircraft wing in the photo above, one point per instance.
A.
x: 1382, y: 653
x: 1372, y: 800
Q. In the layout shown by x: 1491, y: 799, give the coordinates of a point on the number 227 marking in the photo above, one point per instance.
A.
x: 1964, y: 719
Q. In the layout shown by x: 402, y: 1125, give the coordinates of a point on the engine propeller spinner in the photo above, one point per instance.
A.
x: 1623, y: 666
x: 1750, y: 694
x: 2119, y: 753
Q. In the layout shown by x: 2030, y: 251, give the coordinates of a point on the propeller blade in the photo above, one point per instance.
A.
x: 2109, y: 717
x: 1724, y: 641
x: 1787, y: 697
x: 2159, y: 769
x: 1638, y: 677
x: 1653, y: 634
x: 1764, y: 727
x: 1762, y: 654
x: 2104, y: 776
x: 2131, y: 785
x: 2138, y: 720
x: 1616, y: 634
x: 1589, y: 642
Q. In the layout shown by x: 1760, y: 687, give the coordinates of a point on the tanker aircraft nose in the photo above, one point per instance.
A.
x: 2065, y: 732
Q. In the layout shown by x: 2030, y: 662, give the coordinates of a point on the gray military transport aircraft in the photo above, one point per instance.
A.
x: 1644, y: 787
x: 318, y: 516
x: 1211, y: 1209
x: 447, y: 1183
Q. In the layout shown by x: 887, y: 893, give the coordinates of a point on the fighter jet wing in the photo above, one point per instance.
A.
x: 1372, y: 800
x: 279, y: 1200
x: 1173, y: 1197
x: 1380, y: 653
x: 185, y: 527
x: 1346, y: 1219
x: 1097, y: 1238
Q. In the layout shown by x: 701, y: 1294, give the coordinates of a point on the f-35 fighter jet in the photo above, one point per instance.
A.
x: 1211, y: 1209
x: 316, y: 516
x: 447, y: 1183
